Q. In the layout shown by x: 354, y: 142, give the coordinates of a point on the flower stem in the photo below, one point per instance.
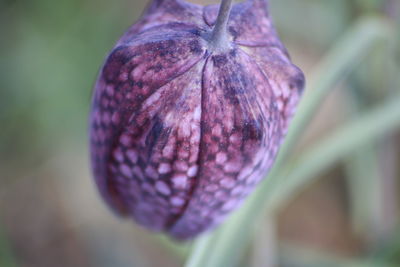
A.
x: 219, y: 35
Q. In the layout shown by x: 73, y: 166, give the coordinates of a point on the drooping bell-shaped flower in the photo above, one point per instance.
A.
x: 189, y: 112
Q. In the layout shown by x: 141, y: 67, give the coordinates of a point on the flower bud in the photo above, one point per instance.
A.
x: 185, y: 123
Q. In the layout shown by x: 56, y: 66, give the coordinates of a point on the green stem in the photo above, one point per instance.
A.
x: 343, y: 58
x: 358, y: 133
x: 219, y: 36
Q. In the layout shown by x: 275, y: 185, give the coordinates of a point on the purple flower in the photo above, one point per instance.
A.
x: 182, y: 131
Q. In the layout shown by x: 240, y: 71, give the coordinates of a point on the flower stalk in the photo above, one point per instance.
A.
x: 219, y: 39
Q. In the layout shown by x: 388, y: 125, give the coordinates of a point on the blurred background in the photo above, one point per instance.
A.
x: 50, y: 212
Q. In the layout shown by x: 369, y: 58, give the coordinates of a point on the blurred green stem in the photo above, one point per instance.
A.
x: 361, y: 131
x: 370, y: 183
x: 181, y: 250
x: 365, y: 191
x: 264, y: 248
x: 224, y: 247
x: 348, y: 52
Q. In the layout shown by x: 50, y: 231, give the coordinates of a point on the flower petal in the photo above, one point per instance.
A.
x: 131, y: 75
x: 240, y: 135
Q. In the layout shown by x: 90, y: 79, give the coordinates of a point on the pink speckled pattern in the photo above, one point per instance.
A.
x: 180, y: 135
